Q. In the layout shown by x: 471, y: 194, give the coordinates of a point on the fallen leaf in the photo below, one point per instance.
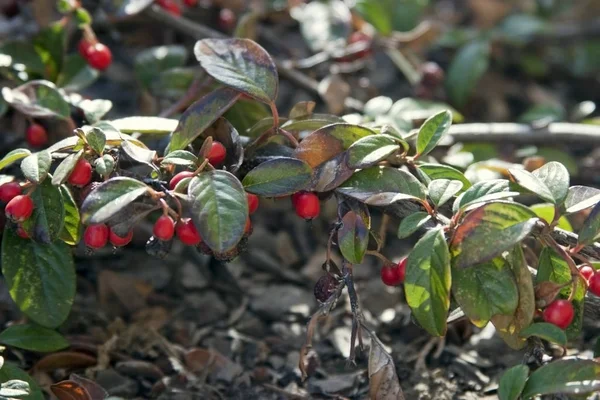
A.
x: 384, y: 384
x: 65, y: 359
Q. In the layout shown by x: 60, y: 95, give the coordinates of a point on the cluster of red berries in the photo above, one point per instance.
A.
x: 36, y: 135
x: 97, y: 54
x: 19, y: 207
x: 393, y: 274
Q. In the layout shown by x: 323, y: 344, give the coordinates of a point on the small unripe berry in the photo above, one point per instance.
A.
x: 99, y: 56
x: 19, y: 208
x: 164, y: 228
x: 81, y: 174
x: 178, y: 178
x: 119, y: 241
x: 217, y: 153
x: 307, y: 205
x: 9, y: 191
x: 559, y: 313
x: 187, y: 232
x: 252, y: 202
x: 36, y: 135
x: 170, y: 6
x: 594, y: 284
x: 587, y: 272
x: 22, y: 233
x: 96, y: 236
x: 226, y: 19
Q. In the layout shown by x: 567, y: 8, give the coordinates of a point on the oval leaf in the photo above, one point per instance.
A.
x: 40, y: 278
x: 442, y: 190
x: 412, y: 223
x: 579, y: 198
x: 555, y: 177
x: 432, y: 130
x: 353, y: 237
x: 428, y: 281
x: 47, y: 220
x: 36, y: 166
x: 180, y: 157
x: 110, y: 197
x: 370, y: 150
x: 590, y: 231
x: 439, y: 171
x: 148, y: 125
x: 465, y: 70
x: 96, y: 139
x: 38, y: 99
x: 512, y: 382
x: 219, y: 209
x: 278, y: 177
x: 64, y: 169
x: 503, y: 224
x: 71, y: 232
x: 33, y: 337
x: 13, y: 156
x: 532, y: 183
x: 241, y: 64
x: 564, y: 376
x: 546, y: 331
x: 483, y: 192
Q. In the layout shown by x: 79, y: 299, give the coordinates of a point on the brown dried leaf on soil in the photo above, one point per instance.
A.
x: 384, y: 384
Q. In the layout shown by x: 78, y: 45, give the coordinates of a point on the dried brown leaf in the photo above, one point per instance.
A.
x: 384, y: 383
x: 65, y: 359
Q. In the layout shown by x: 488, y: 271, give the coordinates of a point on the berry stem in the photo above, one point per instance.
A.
x: 386, y: 261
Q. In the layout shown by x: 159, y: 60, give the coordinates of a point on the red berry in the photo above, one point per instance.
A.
x: 9, y: 190
x: 307, y: 205
x: 164, y: 228
x: 364, y: 40
x: 81, y: 174
x: 295, y: 198
x: 22, y: 233
x: 431, y: 74
x: 36, y: 135
x: 586, y: 271
x: 84, y: 47
x: 217, y: 153
x: 559, y: 313
x: 389, y: 275
x: 178, y: 178
x: 187, y: 232
x: 96, y: 236
x: 99, y: 56
x: 19, y: 208
x: 594, y: 284
x: 401, y: 269
x: 226, y: 19
x: 190, y: 3
x: 119, y: 241
x: 252, y: 202
x: 170, y: 6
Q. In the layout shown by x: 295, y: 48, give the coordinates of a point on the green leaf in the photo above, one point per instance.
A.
x: 564, y: 376
x: 485, y: 290
x: 50, y: 44
x: 9, y: 371
x: 149, y: 63
x: 503, y: 224
x: 546, y: 331
x: 37, y: 99
x: 109, y: 198
x: 76, y: 74
x: 579, y: 198
x: 484, y: 192
x: 201, y: 115
x: 382, y: 186
x: 465, y: 70
x: 353, y: 237
x: 376, y: 13
x: 96, y: 139
x: 412, y: 223
x: 245, y: 114
x: 370, y: 150
x: 546, y: 212
x: 555, y: 177
x: 64, y: 169
x: 40, y: 278
x: 219, y: 209
x: 82, y: 16
x: 432, y: 130
x: 241, y: 64
x: 19, y: 54
x: 33, y: 337
x: 146, y: 125
x: 590, y: 231
x: 36, y: 166
x: 512, y: 382
x: 428, y: 281
x: 94, y: 110
x: 180, y: 157
x: 278, y: 177
x: 440, y: 171
x: 13, y: 156
x: 532, y: 183
x: 442, y: 190
x: 47, y: 220
x: 71, y: 232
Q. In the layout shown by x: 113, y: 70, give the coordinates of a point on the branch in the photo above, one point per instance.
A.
x: 567, y: 238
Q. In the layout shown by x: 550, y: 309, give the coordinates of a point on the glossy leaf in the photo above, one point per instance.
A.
x: 370, y: 150
x: 149, y: 63
x: 580, y: 197
x: 546, y: 331
x: 241, y: 64
x: 36, y: 166
x: 9, y: 371
x: 432, y: 131
x: 512, y: 382
x: 442, y: 190
x: 40, y: 278
x: 71, y: 232
x: 532, y: 183
x: 485, y: 290
x: 13, y: 156
x: 353, y: 237
x: 546, y: 212
x: 104, y: 165
x: 64, y: 169
x: 504, y: 224
x: 564, y: 376
x: 219, y: 209
x: 96, y: 139
x: 22, y: 54
x: 109, y: 198
x: 465, y: 70
x: 37, y: 99
x: 33, y: 337
x: 78, y: 388
x: 278, y: 177
x: 484, y: 192
x: 382, y: 186
x: 145, y: 125
x: 201, y: 115
x: 330, y: 174
x: 590, y: 231
x: 94, y: 110
x: 76, y: 74
x: 411, y: 223
x: 440, y: 171
x: 555, y: 177
x: 47, y: 220
x: 180, y: 157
